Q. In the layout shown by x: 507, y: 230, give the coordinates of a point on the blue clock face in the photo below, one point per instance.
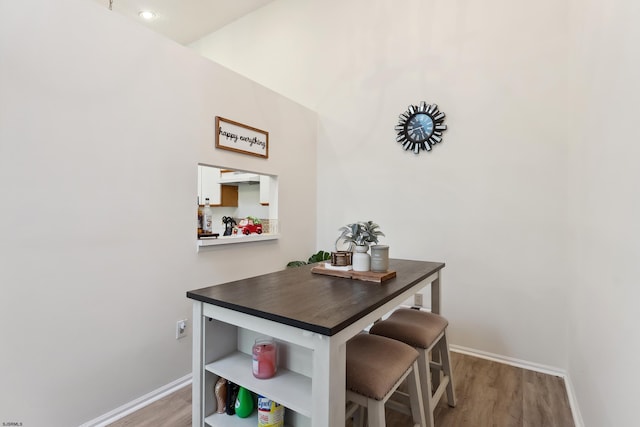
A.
x: 419, y: 127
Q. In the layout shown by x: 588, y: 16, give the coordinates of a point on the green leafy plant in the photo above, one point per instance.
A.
x: 317, y: 257
x: 360, y: 233
x: 255, y: 220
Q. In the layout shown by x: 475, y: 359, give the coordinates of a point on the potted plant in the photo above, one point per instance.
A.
x: 359, y: 236
x: 317, y: 257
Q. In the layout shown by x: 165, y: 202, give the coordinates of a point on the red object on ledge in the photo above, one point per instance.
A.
x: 246, y: 226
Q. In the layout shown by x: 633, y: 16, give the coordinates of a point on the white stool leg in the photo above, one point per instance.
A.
x: 446, y: 367
x: 375, y: 413
x: 425, y: 383
x: 358, y: 420
x: 415, y: 396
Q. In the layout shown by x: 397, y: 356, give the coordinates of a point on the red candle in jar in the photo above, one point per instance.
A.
x: 265, y: 361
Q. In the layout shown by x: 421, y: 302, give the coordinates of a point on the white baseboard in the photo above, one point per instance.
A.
x: 524, y: 364
x: 518, y: 363
x: 139, y: 403
x: 573, y: 402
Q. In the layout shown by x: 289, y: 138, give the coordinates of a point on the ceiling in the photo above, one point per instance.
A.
x: 185, y: 21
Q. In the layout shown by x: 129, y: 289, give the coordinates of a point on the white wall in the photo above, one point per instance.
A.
x: 531, y: 200
x: 491, y: 200
x: 102, y: 124
x: 249, y: 202
x: 604, y: 338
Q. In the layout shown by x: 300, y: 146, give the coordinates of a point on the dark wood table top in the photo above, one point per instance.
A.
x: 314, y: 302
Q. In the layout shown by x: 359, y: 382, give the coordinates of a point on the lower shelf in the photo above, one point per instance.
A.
x: 224, y: 420
x: 290, y: 389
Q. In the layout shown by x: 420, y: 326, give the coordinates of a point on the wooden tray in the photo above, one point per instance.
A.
x: 367, y: 276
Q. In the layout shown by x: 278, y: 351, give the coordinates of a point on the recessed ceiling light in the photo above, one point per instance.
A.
x: 147, y: 15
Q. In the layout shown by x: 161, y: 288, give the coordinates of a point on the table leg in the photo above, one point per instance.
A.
x: 435, y: 294
x: 435, y: 308
x: 329, y: 382
x: 197, y: 414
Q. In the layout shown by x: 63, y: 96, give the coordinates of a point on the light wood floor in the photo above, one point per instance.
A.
x: 489, y: 394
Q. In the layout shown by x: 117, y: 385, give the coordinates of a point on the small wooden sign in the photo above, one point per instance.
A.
x: 241, y: 138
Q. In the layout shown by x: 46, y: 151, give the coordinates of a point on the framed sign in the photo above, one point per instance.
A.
x: 241, y: 138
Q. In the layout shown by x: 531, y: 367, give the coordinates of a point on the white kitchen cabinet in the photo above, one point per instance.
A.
x: 209, y: 185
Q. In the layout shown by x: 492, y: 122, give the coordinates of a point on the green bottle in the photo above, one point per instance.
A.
x: 244, y: 403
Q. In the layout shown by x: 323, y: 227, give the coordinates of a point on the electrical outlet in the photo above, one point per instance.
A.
x: 181, y: 329
x: 417, y: 300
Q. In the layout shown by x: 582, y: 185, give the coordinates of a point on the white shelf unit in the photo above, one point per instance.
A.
x: 227, y: 354
x: 293, y: 389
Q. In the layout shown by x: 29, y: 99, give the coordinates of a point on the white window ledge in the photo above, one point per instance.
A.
x: 228, y: 240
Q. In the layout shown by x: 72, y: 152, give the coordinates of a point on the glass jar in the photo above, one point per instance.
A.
x: 265, y: 358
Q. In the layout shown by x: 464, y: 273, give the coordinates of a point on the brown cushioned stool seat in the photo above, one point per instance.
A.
x: 375, y: 367
x: 427, y: 333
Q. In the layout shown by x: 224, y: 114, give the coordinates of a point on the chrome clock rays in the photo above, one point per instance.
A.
x: 420, y: 127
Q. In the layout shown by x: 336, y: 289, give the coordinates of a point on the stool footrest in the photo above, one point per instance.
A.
x: 351, y: 409
x: 441, y: 389
x: 400, y: 402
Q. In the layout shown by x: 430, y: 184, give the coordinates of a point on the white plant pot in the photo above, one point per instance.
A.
x: 361, y: 260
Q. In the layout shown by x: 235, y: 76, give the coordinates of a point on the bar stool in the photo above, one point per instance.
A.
x: 425, y: 332
x: 376, y: 366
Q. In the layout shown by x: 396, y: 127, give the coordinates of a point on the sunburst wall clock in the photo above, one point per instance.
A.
x: 420, y: 127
